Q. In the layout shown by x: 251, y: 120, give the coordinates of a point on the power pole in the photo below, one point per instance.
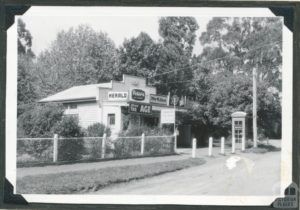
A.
x: 254, y: 113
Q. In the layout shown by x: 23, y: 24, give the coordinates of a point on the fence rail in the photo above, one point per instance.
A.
x: 60, y: 149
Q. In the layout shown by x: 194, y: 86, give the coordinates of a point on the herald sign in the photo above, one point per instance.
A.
x: 167, y: 116
x: 117, y: 96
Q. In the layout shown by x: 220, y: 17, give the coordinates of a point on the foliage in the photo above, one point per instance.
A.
x: 138, y: 56
x: 69, y: 149
x: 24, y: 39
x: 222, y: 82
x: 26, y: 83
x: 148, y: 131
x: 68, y: 127
x: 39, y: 120
x: 179, y: 35
x: 127, y: 147
x: 244, y: 43
x: 159, y: 145
x: 37, y: 150
x: 97, y: 130
x: 27, y: 93
x: 78, y: 56
x: 130, y: 147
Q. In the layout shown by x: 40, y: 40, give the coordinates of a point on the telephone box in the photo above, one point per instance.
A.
x: 238, y: 130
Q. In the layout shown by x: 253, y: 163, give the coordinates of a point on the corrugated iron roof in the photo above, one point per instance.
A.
x: 82, y: 92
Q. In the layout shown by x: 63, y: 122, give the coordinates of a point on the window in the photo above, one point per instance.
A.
x: 73, y: 106
x: 111, y: 118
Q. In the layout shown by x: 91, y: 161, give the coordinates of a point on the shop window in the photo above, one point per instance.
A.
x: 111, y: 118
x: 73, y: 106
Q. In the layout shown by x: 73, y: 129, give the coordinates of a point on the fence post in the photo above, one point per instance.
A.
x: 55, y: 148
x: 142, y: 144
x: 103, y: 146
x: 210, y: 145
x: 194, y: 145
x: 222, y: 145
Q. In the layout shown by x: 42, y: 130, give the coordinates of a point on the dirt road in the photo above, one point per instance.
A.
x: 239, y: 174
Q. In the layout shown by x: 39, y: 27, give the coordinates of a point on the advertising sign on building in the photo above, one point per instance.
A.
x: 179, y: 101
x: 117, y: 96
x: 140, y: 108
x: 167, y: 116
x: 158, y: 99
x: 139, y: 95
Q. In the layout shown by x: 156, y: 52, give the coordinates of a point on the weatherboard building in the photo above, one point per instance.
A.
x: 116, y: 104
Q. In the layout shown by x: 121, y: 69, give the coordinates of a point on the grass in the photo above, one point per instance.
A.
x: 39, y: 164
x: 93, y: 180
x: 263, y: 148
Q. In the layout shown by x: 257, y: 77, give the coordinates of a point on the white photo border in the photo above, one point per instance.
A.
x: 287, y: 109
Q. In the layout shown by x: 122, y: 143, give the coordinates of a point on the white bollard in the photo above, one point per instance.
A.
x: 194, y: 147
x: 142, y: 144
x: 233, y: 144
x: 103, y: 146
x: 55, y: 148
x: 243, y: 143
x: 210, y: 146
x: 222, y: 145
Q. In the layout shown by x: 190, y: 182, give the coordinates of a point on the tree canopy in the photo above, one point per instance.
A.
x: 27, y: 93
x: 178, y: 39
x: 222, y: 82
x: 138, y: 56
x: 78, y: 56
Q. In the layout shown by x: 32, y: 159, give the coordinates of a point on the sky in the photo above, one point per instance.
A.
x: 44, y: 29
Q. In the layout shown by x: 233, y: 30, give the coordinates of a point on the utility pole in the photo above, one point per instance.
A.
x: 254, y: 114
x: 254, y: 107
x: 175, y: 133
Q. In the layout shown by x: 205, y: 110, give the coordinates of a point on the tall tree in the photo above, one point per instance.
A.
x: 223, y: 72
x: 242, y: 43
x: 138, y: 56
x: 77, y: 57
x: 178, y: 38
x: 24, y: 39
x: 26, y: 77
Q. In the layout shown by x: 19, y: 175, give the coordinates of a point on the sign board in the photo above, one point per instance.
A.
x: 158, y: 99
x: 117, y: 96
x: 167, y: 116
x: 139, y: 108
x: 180, y: 102
x: 139, y: 95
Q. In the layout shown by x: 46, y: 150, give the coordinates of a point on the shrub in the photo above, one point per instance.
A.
x: 159, y: 145
x: 39, y: 120
x: 129, y: 147
x: 40, y: 150
x: 72, y: 148
x: 97, y: 130
x: 148, y: 131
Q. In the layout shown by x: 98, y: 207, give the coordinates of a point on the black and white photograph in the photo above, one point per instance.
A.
x: 162, y: 105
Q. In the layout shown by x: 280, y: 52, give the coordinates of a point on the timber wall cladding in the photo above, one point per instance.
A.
x: 89, y: 113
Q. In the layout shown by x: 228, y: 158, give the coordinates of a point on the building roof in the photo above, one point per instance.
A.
x: 239, y: 114
x: 82, y: 93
